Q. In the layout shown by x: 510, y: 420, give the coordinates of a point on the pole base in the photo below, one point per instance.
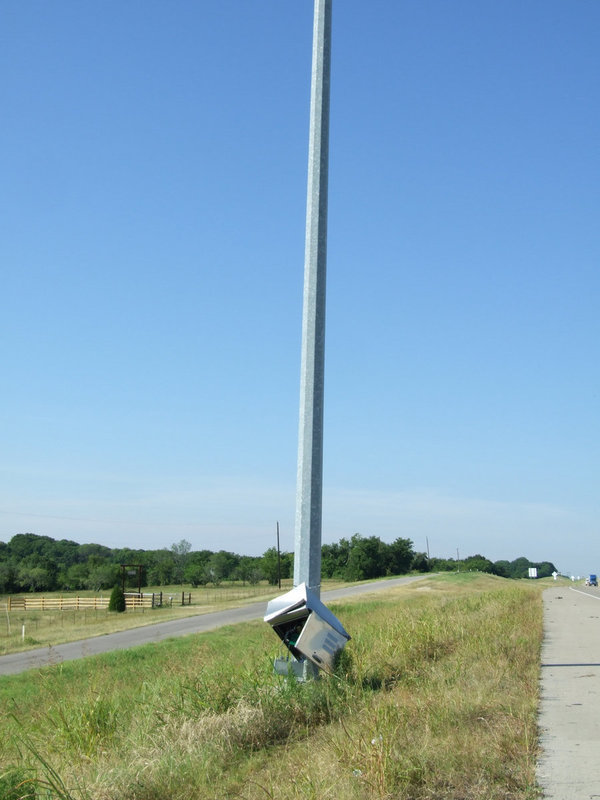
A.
x: 302, y: 671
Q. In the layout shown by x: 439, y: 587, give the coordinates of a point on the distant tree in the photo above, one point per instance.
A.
x: 101, y: 577
x: 246, y: 565
x: 31, y: 562
x: 478, y: 563
x: 195, y: 575
x: 180, y: 552
x: 161, y: 571
x: 420, y: 563
x: 287, y: 564
x: 63, y: 552
x: 545, y: 569
x: 367, y: 558
x: 75, y: 577
x: 126, y: 555
x: 7, y: 577
x: 33, y: 579
x: 23, y: 545
x: 212, y: 575
x: 400, y: 556
x: 269, y: 566
x: 328, y: 560
x: 117, y: 599
x: 519, y: 568
x: 99, y: 552
x: 255, y: 576
x: 334, y: 559
x: 502, y: 568
x: 201, y: 557
x: 444, y: 564
x: 221, y: 565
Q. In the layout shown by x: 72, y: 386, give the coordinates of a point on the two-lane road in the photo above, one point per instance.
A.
x: 200, y: 623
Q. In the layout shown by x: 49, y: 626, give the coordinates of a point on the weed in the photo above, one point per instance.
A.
x: 435, y: 696
x: 87, y: 724
x: 50, y: 786
x: 16, y: 784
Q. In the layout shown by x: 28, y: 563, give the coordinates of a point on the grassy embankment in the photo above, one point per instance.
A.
x: 436, y: 697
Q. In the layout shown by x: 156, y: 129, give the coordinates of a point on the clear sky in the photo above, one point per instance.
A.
x: 153, y: 163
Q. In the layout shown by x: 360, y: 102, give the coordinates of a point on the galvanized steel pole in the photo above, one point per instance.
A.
x: 309, y: 487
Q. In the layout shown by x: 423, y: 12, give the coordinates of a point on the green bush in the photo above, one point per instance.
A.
x: 117, y: 600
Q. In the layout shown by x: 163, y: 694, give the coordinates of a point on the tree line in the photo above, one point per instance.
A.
x: 33, y: 563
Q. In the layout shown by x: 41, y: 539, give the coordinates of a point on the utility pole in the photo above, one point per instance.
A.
x: 309, y: 486
x: 278, y: 559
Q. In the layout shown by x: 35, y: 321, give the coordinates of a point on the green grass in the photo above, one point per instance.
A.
x: 435, y: 697
x: 49, y: 628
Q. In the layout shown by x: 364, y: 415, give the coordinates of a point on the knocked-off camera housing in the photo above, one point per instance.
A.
x: 307, y: 628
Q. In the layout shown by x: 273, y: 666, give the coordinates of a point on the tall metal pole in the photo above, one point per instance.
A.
x: 309, y: 486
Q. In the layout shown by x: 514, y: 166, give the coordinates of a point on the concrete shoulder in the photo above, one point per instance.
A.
x: 569, y: 717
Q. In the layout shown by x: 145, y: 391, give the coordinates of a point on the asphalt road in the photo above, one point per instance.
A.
x: 14, y: 663
x: 569, y: 719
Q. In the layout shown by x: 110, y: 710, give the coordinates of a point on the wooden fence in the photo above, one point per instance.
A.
x: 133, y: 601
x: 56, y: 603
x: 186, y: 599
x: 148, y: 600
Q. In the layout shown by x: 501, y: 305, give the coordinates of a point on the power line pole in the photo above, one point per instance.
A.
x: 309, y: 486
x: 278, y: 559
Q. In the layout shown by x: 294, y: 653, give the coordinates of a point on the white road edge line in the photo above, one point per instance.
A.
x: 586, y: 594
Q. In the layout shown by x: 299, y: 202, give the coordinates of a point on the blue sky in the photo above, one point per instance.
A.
x: 152, y: 211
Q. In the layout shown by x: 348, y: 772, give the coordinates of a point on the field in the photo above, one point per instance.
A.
x: 435, y: 697
x: 23, y: 630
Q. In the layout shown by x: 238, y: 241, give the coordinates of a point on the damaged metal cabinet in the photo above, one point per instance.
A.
x: 307, y: 628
